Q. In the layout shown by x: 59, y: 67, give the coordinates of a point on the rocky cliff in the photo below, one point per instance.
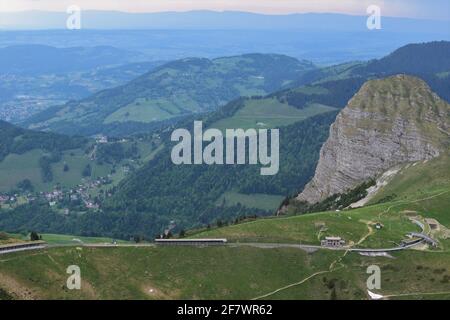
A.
x: 388, y: 122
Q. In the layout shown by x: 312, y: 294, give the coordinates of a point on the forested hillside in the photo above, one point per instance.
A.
x: 423, y: 58
x: 173, y: 90
x: 147, y: 201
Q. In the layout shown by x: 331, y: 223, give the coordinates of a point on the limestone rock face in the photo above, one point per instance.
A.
x: 388, y: 122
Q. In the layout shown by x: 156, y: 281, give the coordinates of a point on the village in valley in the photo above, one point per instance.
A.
x: 81, y: 197
x: 92, y: 190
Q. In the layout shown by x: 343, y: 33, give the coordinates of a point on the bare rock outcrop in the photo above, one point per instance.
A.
x: 388, y: 122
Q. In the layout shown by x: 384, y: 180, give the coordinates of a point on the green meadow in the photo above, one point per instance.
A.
x: 269, y: 113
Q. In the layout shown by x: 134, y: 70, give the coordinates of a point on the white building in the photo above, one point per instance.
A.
x: 332, y: 242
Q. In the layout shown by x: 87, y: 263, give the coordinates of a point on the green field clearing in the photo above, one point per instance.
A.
x: 421, y: 190
x: 244, y: 272
x: 68, y: 239
x: 144, y: 110
x: 15, y: 168
x: 312, y: 90
x: 295, y: 229
x: 161, y: 272
x: 149, y: 156
x: 421, y: 181
x: 268, y: 113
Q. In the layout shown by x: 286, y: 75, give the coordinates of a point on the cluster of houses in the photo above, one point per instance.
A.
x: 7, y: 198
x: 13, y: 199
x: 80, y: 193
x: 102, y: 139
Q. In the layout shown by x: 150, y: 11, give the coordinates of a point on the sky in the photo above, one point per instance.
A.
x: 429, y: 9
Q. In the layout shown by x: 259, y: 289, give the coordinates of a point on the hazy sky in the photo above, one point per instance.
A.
x: 434, y: 9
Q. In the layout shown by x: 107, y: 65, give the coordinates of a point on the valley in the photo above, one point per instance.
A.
x: 242, y: 270
x: 139, y: 181
x: 171, y: 91
x: 362, y: 177
x: 31, y: 87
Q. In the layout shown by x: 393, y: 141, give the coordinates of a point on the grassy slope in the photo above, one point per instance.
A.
x: 424, y: 188
x: 423, y: 180
x: 264, y: 114
x: 172, y: 272
x: 269, y: 113
x: 15, y: 168
x: 180, y: 87
x: 249, y: 272
x: 6, y: 238
x: 217, y: 273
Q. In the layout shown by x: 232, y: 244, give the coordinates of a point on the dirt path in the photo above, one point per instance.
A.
x: 333, y: 267
x: 291, y: 285
x: 368, y: 223
x: 413, y: 201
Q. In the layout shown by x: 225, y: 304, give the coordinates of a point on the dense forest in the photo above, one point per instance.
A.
x: 188, y: 194
x: 18, y: 140
x: 428, y: 58
x: 428, y: 61
x: 336, y: 93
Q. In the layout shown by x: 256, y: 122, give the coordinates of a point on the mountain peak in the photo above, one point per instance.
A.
x: 388, y: 122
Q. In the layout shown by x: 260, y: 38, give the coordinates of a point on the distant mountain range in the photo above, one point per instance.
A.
x: 211, y: 20
x: 322, y: 38
x: 42, y: 59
